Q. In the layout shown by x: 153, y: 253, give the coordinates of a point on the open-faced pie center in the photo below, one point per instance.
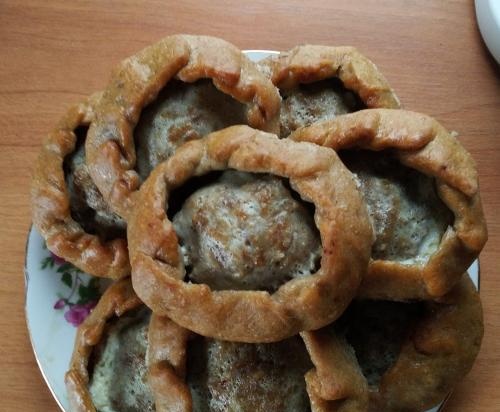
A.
x: 178, y: 89
x: 182, y: 112
x: 118, y: 373
x: 408, y: 216
x: 68, y: 209
x: 246, y: 232
x: 226, y: 376
x: 395, y: 356
x: 87, y: 205
x: 421, y: 189
x: 253, y: 316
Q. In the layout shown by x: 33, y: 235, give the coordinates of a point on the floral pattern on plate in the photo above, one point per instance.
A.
x: 58, y: 298
x: 81, y: 294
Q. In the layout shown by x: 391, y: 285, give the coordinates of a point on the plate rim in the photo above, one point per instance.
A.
x: 35, y: 353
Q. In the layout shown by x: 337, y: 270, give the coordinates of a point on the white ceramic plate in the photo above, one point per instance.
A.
x: 58, y: 296
x: 488, y: 19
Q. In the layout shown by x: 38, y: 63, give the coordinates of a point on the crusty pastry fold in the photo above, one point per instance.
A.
x: 436, y: 351
x: 137, y: 81
x: 51, y: 200
x: 418, y: 142
x: 304, y: 303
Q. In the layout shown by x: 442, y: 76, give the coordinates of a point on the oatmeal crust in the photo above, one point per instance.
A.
x: 137, y: 81
x: 50, y: 199
x: 336, y: 383
x: 421, y: 143
x: 310, y: 63
x: 167, y: 356
x: 343, y: 386
x: 438, y: 352
x: 305, y: 303
x: 118, y: 299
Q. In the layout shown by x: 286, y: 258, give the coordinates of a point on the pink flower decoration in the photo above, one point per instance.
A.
x: 57, y: 260
x: 78, y: 313
x: 59, y: 304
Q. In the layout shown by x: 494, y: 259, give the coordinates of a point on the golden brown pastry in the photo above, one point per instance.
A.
x: 108, y: 368
x: 207, y: 375
x: 408, y: 355
x: 303, y: 303
x: 322, y: 82
x: 68, y: 210
x: 422, y: 193
x: 117, y: 351
x: 176, y: 90
x: 127, y: 360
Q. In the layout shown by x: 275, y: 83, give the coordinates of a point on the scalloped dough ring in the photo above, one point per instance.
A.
x: 121, y: 346
x: 303, y: 303
x: 224, y: 375
x: 418, y: 142
x: 437, y: 351
x: 310, y: 64
x: 51, y: 200
x: 118, y: 300
x: 110, y: 148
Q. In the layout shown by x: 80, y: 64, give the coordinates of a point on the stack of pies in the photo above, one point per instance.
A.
x: 281, y: 236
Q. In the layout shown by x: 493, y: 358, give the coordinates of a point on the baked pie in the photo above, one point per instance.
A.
x: 421, y: 189
x: 127, y: 360
x: 268, y: 273
x: 118, y: 350
x: 68, y: 210
x: 108, y: 370
x: 176, y: 90
x: 228, y: 248
x: 320, y: 83
x: 204, y: 374
x: 396, y: 356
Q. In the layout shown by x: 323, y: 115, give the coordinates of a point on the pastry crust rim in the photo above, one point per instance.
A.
x: 118, y: 299
x: 252, y: 316
x: 137, y: 81
x: 418, y: 141
x: 442, y: 338
x: 311, y: 63
x: 51, y: 203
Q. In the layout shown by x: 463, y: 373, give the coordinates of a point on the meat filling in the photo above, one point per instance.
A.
x: 408, y: 216
x: 246, y: 232
x: 309, y: 103
x: 118, y: 380
x: 182, y: 112
x: 237, y: 377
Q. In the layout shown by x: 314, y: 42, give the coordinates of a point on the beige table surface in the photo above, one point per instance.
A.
x: 52, y: 53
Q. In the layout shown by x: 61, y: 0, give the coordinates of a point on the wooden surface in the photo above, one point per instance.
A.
x: 53, y: 53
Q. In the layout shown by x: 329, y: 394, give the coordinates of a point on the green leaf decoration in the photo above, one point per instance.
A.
x: 76, y: 270
x: 65, y: 267
x: 67, y: 279
x: 48, y: 262
x: 90, y: 292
